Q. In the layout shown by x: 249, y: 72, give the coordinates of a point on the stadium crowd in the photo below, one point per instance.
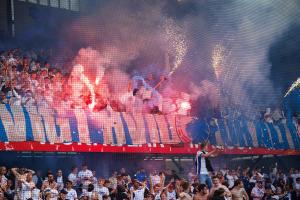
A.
x: 28, y: 78
x: 238, y: 184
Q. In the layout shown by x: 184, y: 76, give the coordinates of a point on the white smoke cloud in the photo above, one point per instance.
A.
x: 123, y: 31
x: 206, y: 89
x: 249, y: 28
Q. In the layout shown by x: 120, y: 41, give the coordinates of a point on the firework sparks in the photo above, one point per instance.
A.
x: 178, y: 42
x: 217, y: 59
x: 293, y: 86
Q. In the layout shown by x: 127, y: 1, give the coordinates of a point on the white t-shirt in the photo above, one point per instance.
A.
x: 203, y: 169
x: 102, y: 190
x: 72, y: 194
x: 297, y: 186
x: 85, y: 174
x: 157, y: 196
x: 139, y: 194
x: 155, y: 179
x: 3, y: 181
x: 88, y: 194
x: 26, y: 190
x: 36, y: 194
x: 230, y: 180
x: 60, y: 183
x: 295, y: 176
x: 54, y: 194
x: 73, y: 178
x: 171, y: 195
x: 258, y: 193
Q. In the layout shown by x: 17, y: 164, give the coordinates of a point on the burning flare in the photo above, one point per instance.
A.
x: 78, y: 71
x: 293, y: 86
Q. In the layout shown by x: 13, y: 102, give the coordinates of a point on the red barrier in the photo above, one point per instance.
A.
x: 184, y: 149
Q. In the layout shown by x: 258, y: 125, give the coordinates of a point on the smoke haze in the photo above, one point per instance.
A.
x: 116, y: 39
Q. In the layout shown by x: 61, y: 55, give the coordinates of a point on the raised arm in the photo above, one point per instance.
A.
x: 15, y: 172
x: 131, y: 194
x: 162, y: 180
x: 151, y: 184
x: 30, y: 170
x: 208, y: 154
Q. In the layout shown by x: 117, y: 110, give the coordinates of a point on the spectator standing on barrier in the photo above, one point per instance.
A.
x: 203, y: 164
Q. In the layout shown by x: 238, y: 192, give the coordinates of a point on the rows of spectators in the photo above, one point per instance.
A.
x: 24, y: 184
x: 27, y: 78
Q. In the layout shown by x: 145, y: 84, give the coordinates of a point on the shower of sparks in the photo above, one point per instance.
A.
x: 217, y: 59
x: 178, y: 42
x: 293, y: 86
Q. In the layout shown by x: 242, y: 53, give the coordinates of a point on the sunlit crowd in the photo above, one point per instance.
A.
x: 28, y: 79
x: 83, y: 183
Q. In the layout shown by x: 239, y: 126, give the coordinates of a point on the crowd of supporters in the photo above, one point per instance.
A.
x: 28, y: 78
x: 239, y: 184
